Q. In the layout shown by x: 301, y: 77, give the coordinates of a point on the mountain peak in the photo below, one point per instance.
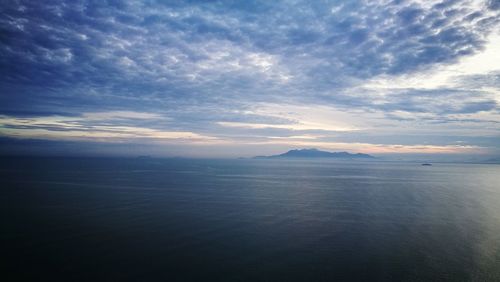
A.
x: 315, y: 153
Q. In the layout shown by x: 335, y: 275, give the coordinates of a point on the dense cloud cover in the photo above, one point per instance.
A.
x: 248, y: 73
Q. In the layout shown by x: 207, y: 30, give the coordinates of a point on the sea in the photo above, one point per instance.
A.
x: 148, y: 219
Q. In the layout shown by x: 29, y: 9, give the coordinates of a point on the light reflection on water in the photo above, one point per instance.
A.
x: 109, y: 219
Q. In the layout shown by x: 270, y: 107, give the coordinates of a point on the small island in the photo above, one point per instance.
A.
x: 315, y: 153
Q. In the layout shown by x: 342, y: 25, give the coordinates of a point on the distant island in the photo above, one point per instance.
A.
x: 315, y: 153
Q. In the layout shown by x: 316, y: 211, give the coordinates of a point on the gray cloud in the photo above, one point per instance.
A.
x: 199, y: 63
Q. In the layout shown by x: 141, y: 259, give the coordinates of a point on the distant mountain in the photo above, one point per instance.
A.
x: 315, y: 153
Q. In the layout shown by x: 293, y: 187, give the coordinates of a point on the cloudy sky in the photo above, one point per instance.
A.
x: 240, y: 78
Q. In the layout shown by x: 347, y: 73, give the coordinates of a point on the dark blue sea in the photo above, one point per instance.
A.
x: 98, y: 219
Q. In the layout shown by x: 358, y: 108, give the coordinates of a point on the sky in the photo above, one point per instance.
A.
x: 244, y: 78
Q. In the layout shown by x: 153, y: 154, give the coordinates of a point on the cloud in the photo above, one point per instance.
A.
x: 212, y: 69
x: 91, y: 126
x: 120, y: 115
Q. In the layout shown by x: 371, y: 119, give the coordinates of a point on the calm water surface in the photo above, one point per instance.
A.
x: 248, y: 220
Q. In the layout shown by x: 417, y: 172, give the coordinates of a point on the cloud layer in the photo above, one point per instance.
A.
x: 253, y: 72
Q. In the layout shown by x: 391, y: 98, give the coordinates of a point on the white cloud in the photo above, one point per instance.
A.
x: 443, y: 76
x: 82, y: 128
x: 120, y: 115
